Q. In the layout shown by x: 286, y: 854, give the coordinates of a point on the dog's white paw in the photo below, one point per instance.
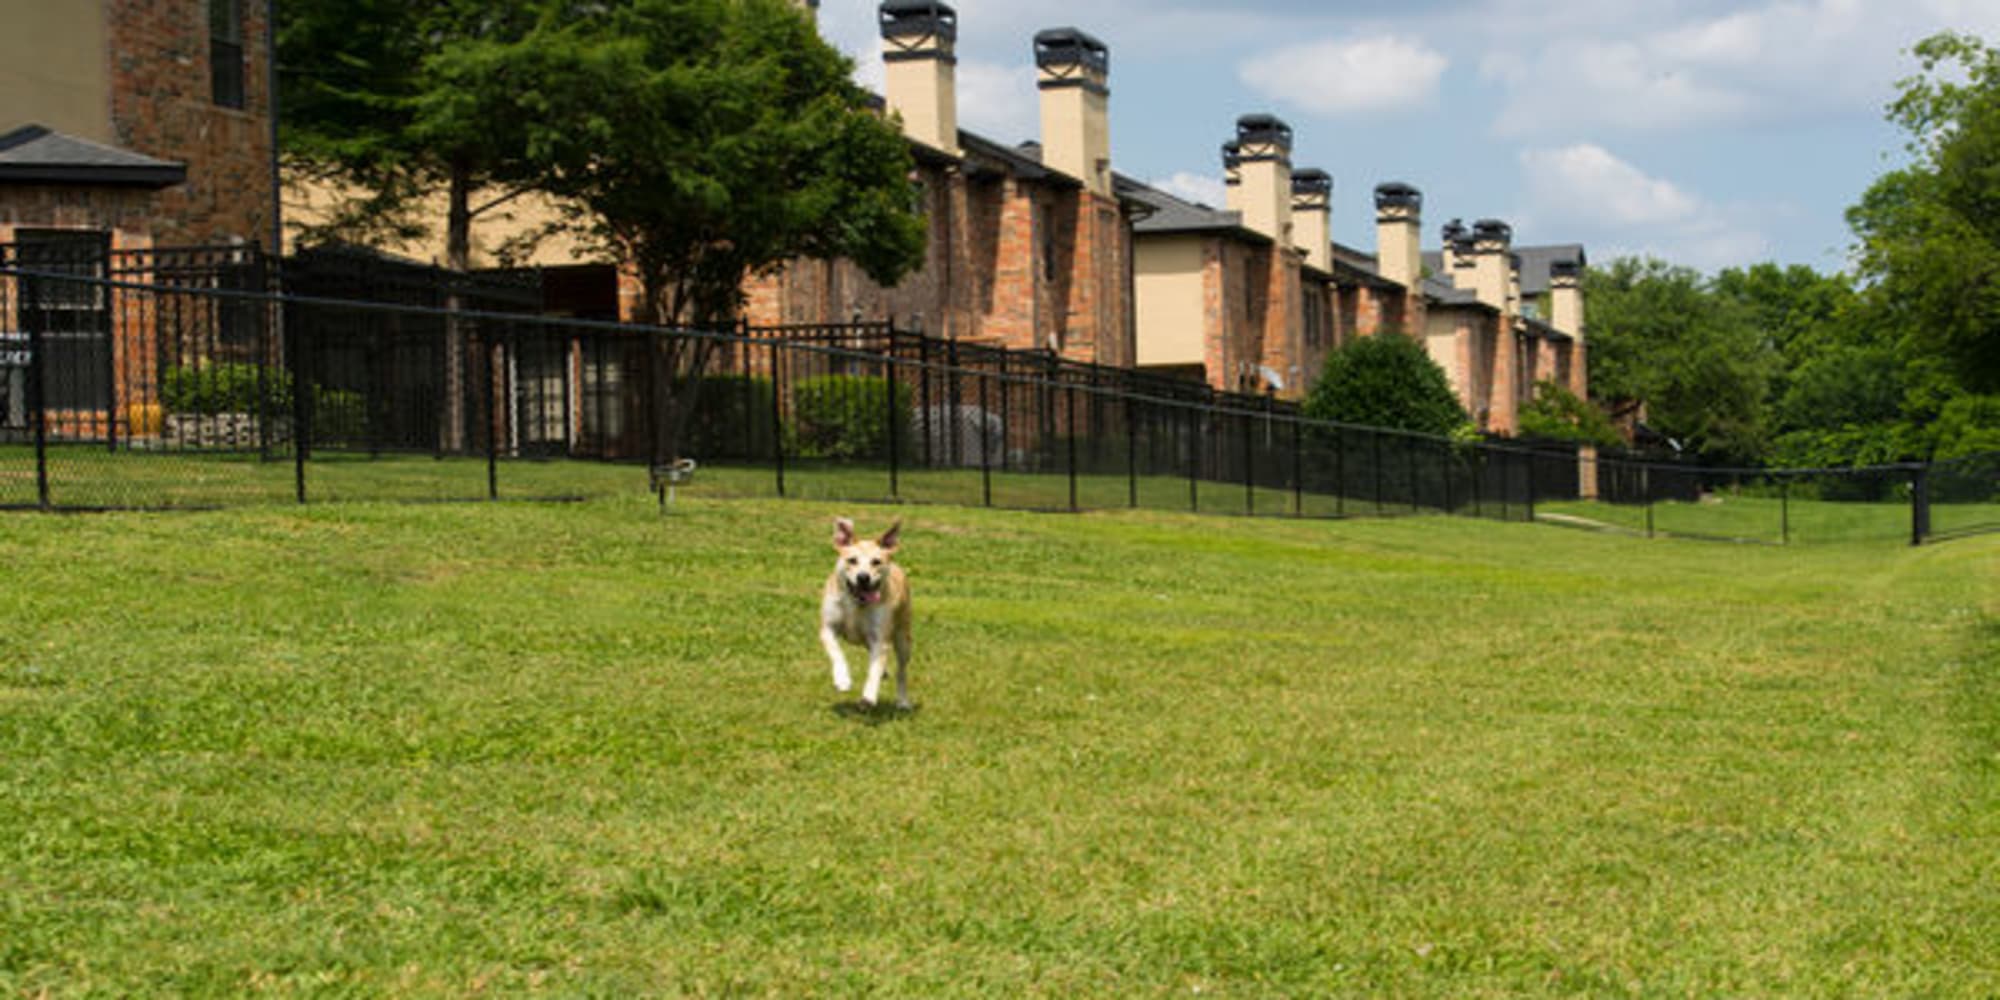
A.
x: 843, y: 683
x: 903, y: 704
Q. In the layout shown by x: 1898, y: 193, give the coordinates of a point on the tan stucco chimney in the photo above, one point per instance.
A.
x: 1075, y: 76
x: 1492, y: 270
x: 1312, y: 217
x: 1264, y: 144
x: 1566, y: 315
x: 1399, y: 219
x: 919, y: 38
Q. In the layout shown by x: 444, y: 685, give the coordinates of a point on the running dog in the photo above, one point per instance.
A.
x: 867, y: 602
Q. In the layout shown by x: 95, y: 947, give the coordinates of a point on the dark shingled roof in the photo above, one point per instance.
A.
x: 33, y: 154
x: 1535, y: 263
x: 1172, y: 215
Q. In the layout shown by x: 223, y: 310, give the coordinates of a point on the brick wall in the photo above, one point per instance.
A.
x: 162, y: 104
x: 986, y: 276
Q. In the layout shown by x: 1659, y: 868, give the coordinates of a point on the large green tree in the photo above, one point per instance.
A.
x: 700, y: 141
x: 1929, y: 234
x: 1661, y: 335
x: 356, y: 74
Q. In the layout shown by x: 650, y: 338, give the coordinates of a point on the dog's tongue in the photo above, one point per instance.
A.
x: 871, y: 597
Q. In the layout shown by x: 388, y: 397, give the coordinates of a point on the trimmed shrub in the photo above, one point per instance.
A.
x: 845, y: 416
x: 1386, y: 381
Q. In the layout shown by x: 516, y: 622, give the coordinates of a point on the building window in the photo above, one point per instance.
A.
x: 225, y: 51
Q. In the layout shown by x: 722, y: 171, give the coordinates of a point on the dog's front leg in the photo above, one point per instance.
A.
x: 903, y: 668
x: 878, y: 664
x: 842, y: 680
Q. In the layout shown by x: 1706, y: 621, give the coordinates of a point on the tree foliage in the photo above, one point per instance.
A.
x: 1561, y: 415
x: 1663, y: 335
x: 1386, y: 381
x: 700, y: 141
x: 356, y: 74
x: 1928, y: 239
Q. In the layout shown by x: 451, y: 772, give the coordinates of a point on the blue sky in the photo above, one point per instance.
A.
x: 1707, y: 133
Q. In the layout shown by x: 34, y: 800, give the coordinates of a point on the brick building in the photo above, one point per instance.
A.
x: 146, y: 121
x: 125, y: 126
x: 1029, y: 246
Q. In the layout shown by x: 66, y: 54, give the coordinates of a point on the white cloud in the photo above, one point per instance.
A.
x: 1592, y: 195
x: 1779, y: 60
x: 1346, y: 76
x: 999, y: 102
x: 1199, y: 188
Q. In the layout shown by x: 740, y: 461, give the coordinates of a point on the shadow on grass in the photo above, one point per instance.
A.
x: 877, y: 715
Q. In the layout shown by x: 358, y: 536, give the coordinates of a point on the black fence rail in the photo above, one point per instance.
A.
x: 148, y: 381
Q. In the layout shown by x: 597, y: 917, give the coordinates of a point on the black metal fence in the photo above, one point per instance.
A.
x: 169, y: 380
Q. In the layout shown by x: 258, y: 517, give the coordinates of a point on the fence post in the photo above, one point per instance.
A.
x: 889, y: 414
x: 1298, y: 471
x: 1071, y: 401
x: 302, y: 395
x: 929, y: 421
x: 1444, y: 481
x: 1194, y: 462
x: 1531, y: 486
x: 985, y: 449
x: 1249, y: 465
x: 1006, y: 411
x: 34, y: 319
x: 1920, y: 503
x: 778, y: 410
x: 1785, y: 510
x: 1646, y: 487
x: 1131, y: 450
x: 496, y: 381
x: 1380, y: 504
x: 1339, y: 471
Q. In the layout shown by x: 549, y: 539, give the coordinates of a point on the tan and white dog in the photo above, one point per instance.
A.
x: 867, y: 602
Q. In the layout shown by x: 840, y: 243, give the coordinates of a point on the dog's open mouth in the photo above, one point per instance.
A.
x: 866, y: 593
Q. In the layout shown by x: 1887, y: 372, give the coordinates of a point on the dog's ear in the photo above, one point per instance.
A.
x: 843, y: 532
x: 891, y: 537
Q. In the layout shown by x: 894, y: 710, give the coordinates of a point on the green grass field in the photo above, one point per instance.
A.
x: 585, y: 749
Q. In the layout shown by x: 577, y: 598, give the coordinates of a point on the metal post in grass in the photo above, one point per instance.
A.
x: 302, y: 393
x: 1071, y: 403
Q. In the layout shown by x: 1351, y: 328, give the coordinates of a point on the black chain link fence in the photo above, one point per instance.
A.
x: 170, y: 379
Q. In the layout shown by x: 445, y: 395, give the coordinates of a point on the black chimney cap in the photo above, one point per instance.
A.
x: 1396, y: 194
x: 917, y: 18
x: 1312, y: 180
x: 1264, y: 130
x: 1493, y: 231
x: 1232, y: 154
x: 1071, y: 47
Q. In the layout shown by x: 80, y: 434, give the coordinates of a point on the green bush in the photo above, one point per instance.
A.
x: 1386, y: 381
x: 1560, y: 415
x: 226, y: 388
x: 733, y: 418
x: 843, y: 416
